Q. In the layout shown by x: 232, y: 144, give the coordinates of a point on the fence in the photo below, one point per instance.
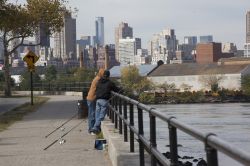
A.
x: 119, y: 108
x: 61, y: 86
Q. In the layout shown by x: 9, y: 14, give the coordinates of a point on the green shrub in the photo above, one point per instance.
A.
x: 147, y: 98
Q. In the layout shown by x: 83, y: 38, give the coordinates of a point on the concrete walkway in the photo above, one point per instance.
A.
x: 22, y: 143
x: 7, y: 104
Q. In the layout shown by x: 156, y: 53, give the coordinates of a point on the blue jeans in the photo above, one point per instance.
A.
x: 91, y: 113
x: 101, y: 110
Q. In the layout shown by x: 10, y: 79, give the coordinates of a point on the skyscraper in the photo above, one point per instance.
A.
x: 42, y: 37
x: 206, y: 39
x: 99, y: 31
x: 162, y: 46
x: 121, y: 32
x: 248, y: 27
x: 192, y: 40
x: 247, y: 44
x: 127, y: 50
x: 65, y: 40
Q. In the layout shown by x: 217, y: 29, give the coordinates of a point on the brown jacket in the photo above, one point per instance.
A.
x: 91, y: 94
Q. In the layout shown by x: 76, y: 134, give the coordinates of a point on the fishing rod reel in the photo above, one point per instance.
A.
x: 62, y: 141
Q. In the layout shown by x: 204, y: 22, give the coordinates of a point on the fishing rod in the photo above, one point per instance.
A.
x: 61, y: 125
x: 47, y: 147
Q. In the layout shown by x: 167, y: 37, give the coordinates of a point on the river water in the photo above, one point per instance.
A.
x: 230, y: 121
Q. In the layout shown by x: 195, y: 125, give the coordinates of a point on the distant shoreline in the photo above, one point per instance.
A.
x: 194, y: 97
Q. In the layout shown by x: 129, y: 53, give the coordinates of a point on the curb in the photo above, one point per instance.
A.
x: 118, y: 150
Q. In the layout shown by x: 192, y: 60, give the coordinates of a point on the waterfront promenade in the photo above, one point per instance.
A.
x: 23, y: 143
x: 7, y: 104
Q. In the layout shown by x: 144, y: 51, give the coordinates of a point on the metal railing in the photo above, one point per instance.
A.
x: 119, y: 108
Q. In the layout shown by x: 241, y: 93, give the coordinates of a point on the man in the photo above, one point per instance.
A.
x: 91, y: 100
x: 103, y: 94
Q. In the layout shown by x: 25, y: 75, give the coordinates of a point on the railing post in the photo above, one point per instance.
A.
x: 120, y: 113
x: 212, y: 159
x: 109, y: 109
x: 173, y: 143
x: 125, y: 119
x: 211, y: 156
x: 116, y: 120
x: 131, y: 123
x: 152, y: 137
x: 141, y: 132
x: 112, y: 113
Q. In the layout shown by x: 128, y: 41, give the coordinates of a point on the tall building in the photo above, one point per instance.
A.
x: 128, y: 50
x: 81, y: 45
x: 90, y: 57
x: 206, y: 39
x: 187, y: 49
x: 162, y: 46
x: 99, y: 31
x: 248, y: 27
x: 229, y: 48
x: 247, y: 44
x: 42, y: 37
x: 210, y: 53
x: 110, y: 55
x: 191, y: 40
x: 84, y: 41
x: 122, y: 32
x: 65, y: 40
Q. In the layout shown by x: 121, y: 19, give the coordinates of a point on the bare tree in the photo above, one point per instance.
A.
x: 211, y: 81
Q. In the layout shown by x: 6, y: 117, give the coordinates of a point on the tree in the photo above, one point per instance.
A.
x: 84, y: 75
x: 1, y: 77
x: 19, y: 21
x: 132, y: 82
x: 245, y: 84
x: 211, y: 81
x: 25, y: 80
x: 50, y: 73
x: 166, y: 87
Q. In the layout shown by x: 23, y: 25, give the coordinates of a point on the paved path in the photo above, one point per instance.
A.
x: 7, y: 104
x: 22, y: 143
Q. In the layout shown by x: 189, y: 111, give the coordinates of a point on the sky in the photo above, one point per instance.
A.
x: 224, y: 19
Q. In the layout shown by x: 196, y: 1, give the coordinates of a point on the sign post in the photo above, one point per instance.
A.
x: 31, y: 58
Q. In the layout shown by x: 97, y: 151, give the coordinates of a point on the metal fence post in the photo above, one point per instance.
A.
x: 152, y: 137
x: 173, y: 144
x: 131, y: 123
x: 116, y: 120
x: 125, y: 119
x: 112, y: 112
x: 141, y: 132
x: 212, y: 159
x: 211, y: 156
x: 120, y: 113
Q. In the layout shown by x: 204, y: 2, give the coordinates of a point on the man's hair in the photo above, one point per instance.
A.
x: 106, y: 74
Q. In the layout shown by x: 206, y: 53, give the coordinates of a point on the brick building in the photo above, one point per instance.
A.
x: 210, y: 53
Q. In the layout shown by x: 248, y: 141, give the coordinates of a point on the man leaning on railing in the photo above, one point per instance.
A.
x: 103, y: 94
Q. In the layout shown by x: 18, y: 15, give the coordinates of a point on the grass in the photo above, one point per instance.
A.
x: 18, y: 113
x: 100, y: 136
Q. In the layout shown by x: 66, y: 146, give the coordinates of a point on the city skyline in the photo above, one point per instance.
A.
x: 224, y: 20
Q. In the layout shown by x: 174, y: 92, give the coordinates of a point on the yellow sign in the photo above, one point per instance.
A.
x: 31, y: 58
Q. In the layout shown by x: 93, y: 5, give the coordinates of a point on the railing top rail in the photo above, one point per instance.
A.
x: 209, y: 138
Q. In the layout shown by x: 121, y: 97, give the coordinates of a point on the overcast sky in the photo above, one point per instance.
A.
x: 224, y: 19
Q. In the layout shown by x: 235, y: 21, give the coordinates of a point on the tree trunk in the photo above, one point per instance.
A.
x: 7, y: 88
